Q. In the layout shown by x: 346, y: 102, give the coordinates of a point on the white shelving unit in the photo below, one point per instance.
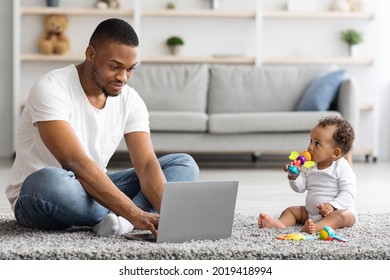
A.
x: 139, y: 14
x: 249, y: 15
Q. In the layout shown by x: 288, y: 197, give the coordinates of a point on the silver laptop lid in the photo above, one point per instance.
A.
x: 197, y: 210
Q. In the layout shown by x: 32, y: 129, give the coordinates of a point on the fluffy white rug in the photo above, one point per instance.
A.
x: 369, y: 239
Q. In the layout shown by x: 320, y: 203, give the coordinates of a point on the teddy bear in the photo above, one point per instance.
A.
x: 107, y: 4
x: 54, y: 40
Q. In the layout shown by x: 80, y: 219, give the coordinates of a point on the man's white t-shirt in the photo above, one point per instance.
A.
x: 59, y: 96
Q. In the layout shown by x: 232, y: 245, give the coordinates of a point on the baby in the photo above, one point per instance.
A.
x: 330, y: 184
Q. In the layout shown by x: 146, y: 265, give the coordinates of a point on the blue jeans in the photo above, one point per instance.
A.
x: 52, y: 198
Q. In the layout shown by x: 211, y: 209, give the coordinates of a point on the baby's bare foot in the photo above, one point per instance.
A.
x: 309, y: 227
x: 266, y: 221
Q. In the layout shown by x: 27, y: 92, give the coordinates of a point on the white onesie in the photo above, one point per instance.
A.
x: 335, y: 185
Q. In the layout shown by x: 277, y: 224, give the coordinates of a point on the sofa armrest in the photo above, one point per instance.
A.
x: 348, y: 101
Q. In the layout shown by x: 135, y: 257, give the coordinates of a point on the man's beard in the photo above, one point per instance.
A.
x: 94, y: 75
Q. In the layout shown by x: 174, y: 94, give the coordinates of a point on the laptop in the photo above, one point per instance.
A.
x: 195, y: 210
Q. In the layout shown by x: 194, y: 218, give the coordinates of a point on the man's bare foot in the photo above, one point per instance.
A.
x: 266, y: 221
x: 309, y: 227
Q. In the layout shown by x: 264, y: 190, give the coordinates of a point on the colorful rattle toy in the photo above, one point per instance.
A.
x: 296, y: 236
x: 328, y: 234
x: 298, y: 160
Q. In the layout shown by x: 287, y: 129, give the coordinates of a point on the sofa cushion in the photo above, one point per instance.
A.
x: 321, y: 91
x: 266, y: 122
x: 172, y: 87
x: 238, y: 89
x: 178, y: 121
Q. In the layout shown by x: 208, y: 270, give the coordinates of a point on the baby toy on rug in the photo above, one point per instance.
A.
x: 327, y: 234
x: 296, y: 236
x: 53, y: 40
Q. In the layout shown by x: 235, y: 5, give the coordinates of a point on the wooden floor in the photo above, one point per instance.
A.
x: 263, y: 185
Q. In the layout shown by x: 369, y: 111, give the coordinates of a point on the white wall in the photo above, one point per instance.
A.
x: 382, y: 82
x: 6, y: 78
x: 280, y: 39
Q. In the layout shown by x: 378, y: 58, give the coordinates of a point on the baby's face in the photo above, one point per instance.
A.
x: 322, y: 145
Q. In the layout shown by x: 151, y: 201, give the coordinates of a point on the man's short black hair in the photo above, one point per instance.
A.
x: 114, y: 30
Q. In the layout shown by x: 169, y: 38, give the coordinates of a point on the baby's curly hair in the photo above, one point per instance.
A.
x: 344, y: 135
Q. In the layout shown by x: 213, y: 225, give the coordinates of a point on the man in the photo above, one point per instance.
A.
x: 71, y: 125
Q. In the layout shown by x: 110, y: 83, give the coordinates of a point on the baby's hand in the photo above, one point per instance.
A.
x: 292, y: 176
x: 325, y: 209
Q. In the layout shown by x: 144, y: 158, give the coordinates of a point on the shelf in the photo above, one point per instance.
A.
x: 211, y: 59
x: 319, y: 60
x: 199, y: 13
x: 36, y: 57
x: 147, y: 59
x: 75, y: 11
x: 318, y: 15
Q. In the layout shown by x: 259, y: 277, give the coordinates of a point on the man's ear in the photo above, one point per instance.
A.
x: 89, y: 52
x: 337, y: 153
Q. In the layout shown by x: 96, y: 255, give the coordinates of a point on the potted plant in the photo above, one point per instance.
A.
x: 352, y: 38
x: 171, y: 6
x: 175, y: 43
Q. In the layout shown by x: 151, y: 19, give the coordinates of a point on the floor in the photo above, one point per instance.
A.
x: 263, y: 184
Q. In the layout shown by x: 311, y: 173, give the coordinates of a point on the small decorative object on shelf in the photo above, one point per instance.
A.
x: 352, y: 38
x: 351, y: 5
x: 107, y: 4
x: 52, y: 3
x: 341, y: 5
x: 175, y: 43
x: 360, y: 5
x: 171, y: 6
x: 214, y: 4
x: 53, y: 39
